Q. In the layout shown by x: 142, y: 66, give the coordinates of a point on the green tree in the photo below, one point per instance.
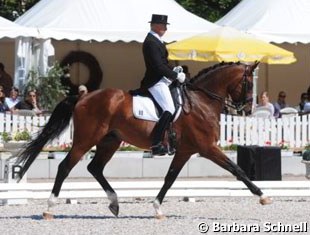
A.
x: 211, y: 10
x: 12, y: 9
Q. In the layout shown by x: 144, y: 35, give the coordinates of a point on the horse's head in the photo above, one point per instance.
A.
x: 234, y: 80
x: 241, y: 87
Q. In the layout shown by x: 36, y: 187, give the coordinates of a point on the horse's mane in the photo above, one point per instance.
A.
x: 213, y: 68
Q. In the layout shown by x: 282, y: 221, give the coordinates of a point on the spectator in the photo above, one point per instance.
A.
x: 307, y: 104
x: 3, y: 105
x: 13, y: 99
x: 303, y: 100
x: 30, y: 103
x: 307, y: 107
x: 82, y: 90
x: 5, y: 80
x: 264, y: 102
x: 280, y: 104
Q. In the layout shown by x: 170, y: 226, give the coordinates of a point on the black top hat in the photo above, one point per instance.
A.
x: 159, y: 19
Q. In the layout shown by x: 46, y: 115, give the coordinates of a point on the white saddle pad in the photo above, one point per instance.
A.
x: 144, y: 108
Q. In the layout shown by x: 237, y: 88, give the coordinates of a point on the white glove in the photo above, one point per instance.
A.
x: 178, y: 69
x: 181, y: 77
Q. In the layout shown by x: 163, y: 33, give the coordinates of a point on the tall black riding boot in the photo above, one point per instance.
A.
x: 158, y: 134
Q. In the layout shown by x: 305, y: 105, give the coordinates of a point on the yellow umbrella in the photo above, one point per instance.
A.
x: 228, y: 44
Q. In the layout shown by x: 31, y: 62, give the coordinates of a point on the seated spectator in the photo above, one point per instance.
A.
x: 307, y: 107
x: 13, y: 99
x: 307, y: 104
x: 264, y: 102
x: 303, y: 100
x: 3, y: 105
x: 30, y: 103
x: 280, y: 104
x: 6, y: 80
x: 82, y: 90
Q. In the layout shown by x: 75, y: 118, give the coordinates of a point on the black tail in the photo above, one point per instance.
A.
x: 56, y: 124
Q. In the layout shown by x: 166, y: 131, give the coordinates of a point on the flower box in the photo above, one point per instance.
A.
x: 13, y: 146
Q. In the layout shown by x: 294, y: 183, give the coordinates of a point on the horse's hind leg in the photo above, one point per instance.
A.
x: 64, y: 169
x: 218, y: 157
x: 105, y: 150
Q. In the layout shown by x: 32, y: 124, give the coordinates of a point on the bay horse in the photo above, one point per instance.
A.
x: 104, y: 118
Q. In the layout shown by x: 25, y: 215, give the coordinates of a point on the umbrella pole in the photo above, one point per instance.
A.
x: 255, y: 77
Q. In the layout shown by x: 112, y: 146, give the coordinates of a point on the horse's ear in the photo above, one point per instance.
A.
x: 256, y: 63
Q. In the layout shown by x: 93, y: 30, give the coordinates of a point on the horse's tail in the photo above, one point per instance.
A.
x: 56, y: 124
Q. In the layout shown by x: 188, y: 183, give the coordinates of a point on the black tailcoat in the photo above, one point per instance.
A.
x: 156, y: 62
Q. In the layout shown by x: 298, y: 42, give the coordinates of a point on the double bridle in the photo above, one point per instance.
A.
x: 237, y: 105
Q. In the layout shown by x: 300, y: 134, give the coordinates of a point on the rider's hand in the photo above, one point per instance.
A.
x: 178, y: 69
x: 181, y: 77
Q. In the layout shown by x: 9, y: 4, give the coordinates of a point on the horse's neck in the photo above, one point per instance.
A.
x: 216, y: 84
x: 203, y: 102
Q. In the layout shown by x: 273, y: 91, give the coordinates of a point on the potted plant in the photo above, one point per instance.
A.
x: 14, y: 141
x: 49, y: 88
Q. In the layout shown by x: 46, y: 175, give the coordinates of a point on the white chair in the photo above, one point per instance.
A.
x: 288, y: 112
x: 26, y: 112
x: 262, y: 112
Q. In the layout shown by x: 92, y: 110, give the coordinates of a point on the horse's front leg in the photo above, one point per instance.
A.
x: 176, y: 166
x: 217, y: 156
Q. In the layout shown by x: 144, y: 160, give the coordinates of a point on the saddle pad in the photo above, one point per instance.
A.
x: 144, y: 108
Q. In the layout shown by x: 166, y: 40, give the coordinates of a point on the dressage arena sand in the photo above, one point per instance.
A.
x: 92, y: 216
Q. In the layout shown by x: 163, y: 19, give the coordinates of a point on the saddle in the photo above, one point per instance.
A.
x: 145, y: 107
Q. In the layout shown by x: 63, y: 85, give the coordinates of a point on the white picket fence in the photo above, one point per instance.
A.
x: 293, y: 131
x: 11, y: 123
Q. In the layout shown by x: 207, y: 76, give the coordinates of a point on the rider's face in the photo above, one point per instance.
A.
x: 160, y: 29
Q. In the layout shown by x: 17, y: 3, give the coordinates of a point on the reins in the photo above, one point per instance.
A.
x: 225, y: 102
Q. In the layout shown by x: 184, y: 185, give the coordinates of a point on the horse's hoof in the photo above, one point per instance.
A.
x: 160, y: 217
x: 47, y: 215
x: 114, y: 208
x: 265, y: 200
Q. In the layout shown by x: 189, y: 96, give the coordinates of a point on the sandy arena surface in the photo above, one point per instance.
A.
x: 92, y: 216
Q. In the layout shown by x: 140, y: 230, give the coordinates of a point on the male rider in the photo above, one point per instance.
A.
x: 157, y: 78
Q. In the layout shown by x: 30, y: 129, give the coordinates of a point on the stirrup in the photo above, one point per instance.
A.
x: 171, y: 150
x: 159, y: 149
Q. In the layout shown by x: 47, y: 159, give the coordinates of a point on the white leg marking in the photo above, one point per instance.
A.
x: 112, y: 196
x: 156, y: 206
x: 51, y: 202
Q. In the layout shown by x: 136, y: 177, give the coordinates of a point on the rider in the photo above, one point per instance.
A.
x: 157, y: 78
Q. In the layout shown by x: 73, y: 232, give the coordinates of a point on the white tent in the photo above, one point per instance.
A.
x: 282, y: 22
x: 112, y: 20
x: 10, y: 29
x: 110, y: 30
x: 275, y: 20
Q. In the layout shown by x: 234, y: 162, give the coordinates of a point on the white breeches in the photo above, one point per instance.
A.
x: 161, y: 93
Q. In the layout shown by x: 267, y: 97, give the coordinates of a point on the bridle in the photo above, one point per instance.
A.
x: 246, y: 86
x: 237, y: 105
